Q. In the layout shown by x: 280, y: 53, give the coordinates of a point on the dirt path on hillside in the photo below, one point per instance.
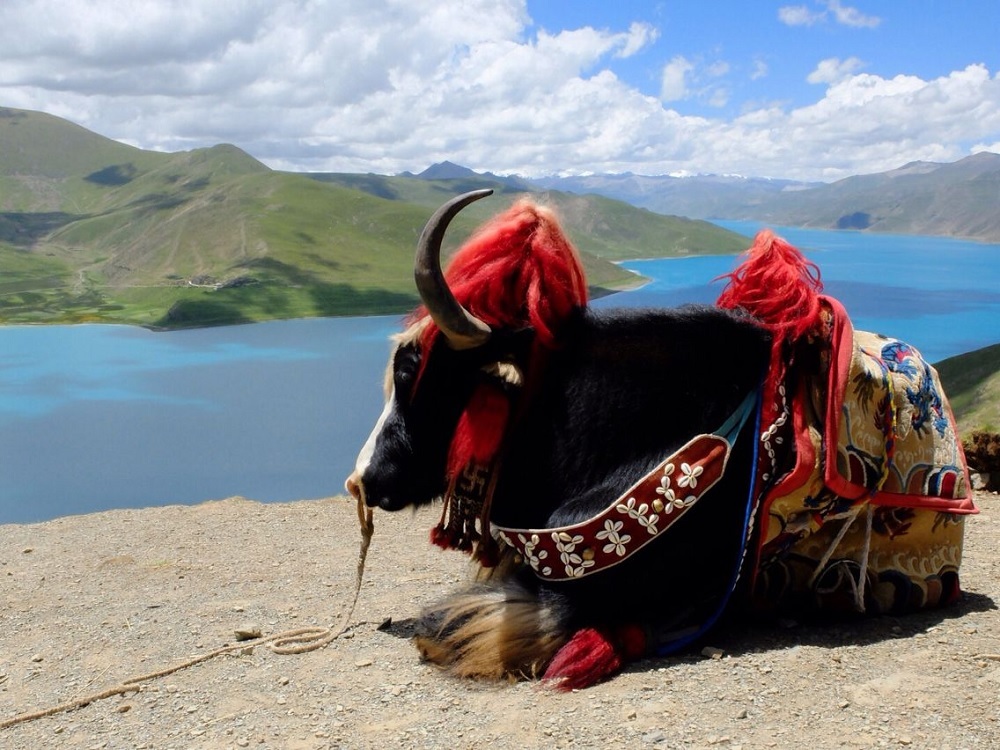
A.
x: 88, y: 602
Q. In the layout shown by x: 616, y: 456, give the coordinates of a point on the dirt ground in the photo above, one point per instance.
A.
x: 88, y: 602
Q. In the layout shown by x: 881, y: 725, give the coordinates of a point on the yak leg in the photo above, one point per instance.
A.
x: 492, y: 630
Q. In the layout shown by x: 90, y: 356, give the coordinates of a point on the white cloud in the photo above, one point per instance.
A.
x: 673, y: 82
x: 387, y: 86
x: 799, y: 15
x: 760, y: 70
x: 834, y: 69
x: 718, y: 69
x: 877, y: 122
x: 640, y: 35
x: 846, y: 15
x: 718, y: 97
x: 686, y: 79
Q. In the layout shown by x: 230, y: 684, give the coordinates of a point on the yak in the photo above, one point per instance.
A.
x: 625, y: 477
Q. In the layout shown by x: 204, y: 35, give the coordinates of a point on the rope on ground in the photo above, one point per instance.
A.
x: 298, y: 641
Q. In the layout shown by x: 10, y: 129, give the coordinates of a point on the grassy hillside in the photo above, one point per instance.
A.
x: 94, y: 230
x: 972, y: 382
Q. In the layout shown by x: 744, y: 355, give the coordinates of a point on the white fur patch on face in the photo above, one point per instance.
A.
x: 368, y: 449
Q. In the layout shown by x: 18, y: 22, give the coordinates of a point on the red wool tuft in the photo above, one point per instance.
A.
x: 587, y: 658
x: 778, y: 286
x: 781, y: 288
x: 519, y: 269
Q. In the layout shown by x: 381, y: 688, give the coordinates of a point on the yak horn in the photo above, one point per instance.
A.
x: 462, y: 329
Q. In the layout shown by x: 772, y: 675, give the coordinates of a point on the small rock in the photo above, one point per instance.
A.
x: 37, y: 658
x: 742, y: 714
x: 124, y: 708
x: 283, y: 681
x: 363, y: 663
x: 28, y: 550
x: 247, y: 632
x: 712, y: 652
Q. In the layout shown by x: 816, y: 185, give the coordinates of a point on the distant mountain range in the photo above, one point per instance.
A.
x: 960, y: 199
x: 94, y: 230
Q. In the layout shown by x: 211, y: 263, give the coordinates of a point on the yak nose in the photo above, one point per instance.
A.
x: 353, y: 485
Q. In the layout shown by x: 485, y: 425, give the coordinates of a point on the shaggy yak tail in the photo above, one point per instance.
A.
x: 499, y: 629
x: 492, y: 630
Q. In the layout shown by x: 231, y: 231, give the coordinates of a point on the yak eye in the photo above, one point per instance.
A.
x: 405, y: 369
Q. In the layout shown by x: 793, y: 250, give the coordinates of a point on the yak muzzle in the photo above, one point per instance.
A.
x: 354, y: 487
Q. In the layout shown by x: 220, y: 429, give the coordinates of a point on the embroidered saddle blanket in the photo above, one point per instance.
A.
x: 865, y: 486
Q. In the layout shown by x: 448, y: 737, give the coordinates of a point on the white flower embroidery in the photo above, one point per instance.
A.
x: 679, y: 503
x: 529, y: 551
x: 616, y: 541
x: 665, y: 489
x: 527, y: 547
x: 691, y: 474
x: 575, y: 564
x: 639, y: 514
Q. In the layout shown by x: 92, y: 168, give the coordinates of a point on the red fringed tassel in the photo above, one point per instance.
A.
x: 586, y: 659
x: 592, y: 655
x: 781, y: 288
x: 480, y: 429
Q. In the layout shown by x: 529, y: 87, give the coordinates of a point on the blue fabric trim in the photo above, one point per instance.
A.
x: 730, y: 429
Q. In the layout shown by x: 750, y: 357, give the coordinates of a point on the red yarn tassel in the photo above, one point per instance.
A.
x: 586, y: 659
x: 780, y: 287
x: 592, y: 655
x: 480, y: 429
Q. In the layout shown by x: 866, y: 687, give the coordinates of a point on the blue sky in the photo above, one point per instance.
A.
x: 750, y: 52
x: 816, y: 90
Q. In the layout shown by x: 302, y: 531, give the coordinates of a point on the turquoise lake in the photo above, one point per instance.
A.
x: 99, y: 417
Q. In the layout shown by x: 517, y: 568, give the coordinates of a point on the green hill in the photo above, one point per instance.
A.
x: 95, y: 230
x: 972, y: 382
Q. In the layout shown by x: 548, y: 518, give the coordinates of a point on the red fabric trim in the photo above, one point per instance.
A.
x: 838, y: 377
x: 842, y: 343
